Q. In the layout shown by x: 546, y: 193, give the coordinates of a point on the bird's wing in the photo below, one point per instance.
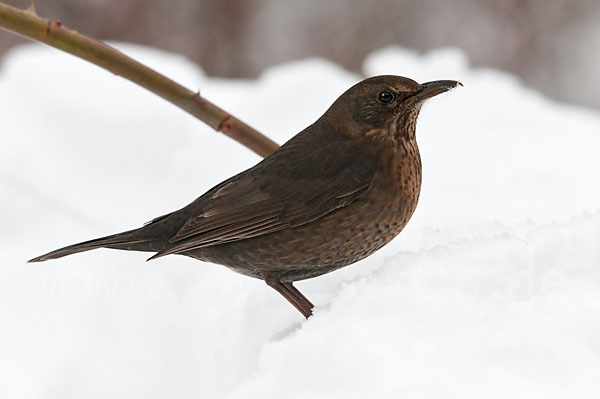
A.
x: 294, y: 186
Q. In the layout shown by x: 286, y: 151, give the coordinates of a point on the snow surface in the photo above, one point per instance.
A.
x: 492, y: 290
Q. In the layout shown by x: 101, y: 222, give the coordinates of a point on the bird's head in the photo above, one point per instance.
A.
x: 386, y: 107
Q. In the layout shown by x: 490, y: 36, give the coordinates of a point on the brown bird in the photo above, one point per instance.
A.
x: 332, y: 195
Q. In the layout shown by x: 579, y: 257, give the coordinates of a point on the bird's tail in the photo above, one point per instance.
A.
x: 151, y: 237
x: 130, y: 240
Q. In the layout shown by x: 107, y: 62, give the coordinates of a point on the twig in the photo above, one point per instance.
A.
x: 53, y: 33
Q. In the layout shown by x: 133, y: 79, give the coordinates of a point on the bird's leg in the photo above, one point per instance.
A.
x: 295, y: 297
x: 298, y: 294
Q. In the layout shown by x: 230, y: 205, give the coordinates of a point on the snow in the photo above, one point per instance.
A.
x: 492, y: 290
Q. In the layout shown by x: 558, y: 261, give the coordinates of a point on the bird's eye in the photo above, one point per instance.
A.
x: 386, y: 97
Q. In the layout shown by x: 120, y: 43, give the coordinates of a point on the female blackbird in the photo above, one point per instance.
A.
x: 335, y: 193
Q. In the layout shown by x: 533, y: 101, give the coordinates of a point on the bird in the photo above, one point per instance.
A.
x: 332, y: 195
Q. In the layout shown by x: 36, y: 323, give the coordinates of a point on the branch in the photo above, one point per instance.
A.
x: 52, y: 33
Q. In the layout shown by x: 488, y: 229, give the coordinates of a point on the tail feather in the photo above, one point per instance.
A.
x: 125, y: 240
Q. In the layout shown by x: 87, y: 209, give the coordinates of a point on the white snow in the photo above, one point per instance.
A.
x: 492, y: 290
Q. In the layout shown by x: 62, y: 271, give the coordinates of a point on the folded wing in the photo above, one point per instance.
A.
x: 296, y: 185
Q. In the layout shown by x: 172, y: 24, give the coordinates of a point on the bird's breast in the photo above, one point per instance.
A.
x: 397, y: 187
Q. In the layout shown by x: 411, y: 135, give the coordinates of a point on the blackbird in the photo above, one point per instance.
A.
x: 332, y: 195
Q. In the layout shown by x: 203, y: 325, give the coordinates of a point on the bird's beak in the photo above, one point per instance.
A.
x: 431, y: 89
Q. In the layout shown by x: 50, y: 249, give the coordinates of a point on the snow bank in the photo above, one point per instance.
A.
x: 493, y: 289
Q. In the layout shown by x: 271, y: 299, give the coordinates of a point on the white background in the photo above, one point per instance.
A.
x: 492, y: 290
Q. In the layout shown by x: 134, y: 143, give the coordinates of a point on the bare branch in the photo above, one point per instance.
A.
x: 53, y: 33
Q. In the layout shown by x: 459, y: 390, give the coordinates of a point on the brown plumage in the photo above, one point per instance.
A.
x: 332, y: 195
